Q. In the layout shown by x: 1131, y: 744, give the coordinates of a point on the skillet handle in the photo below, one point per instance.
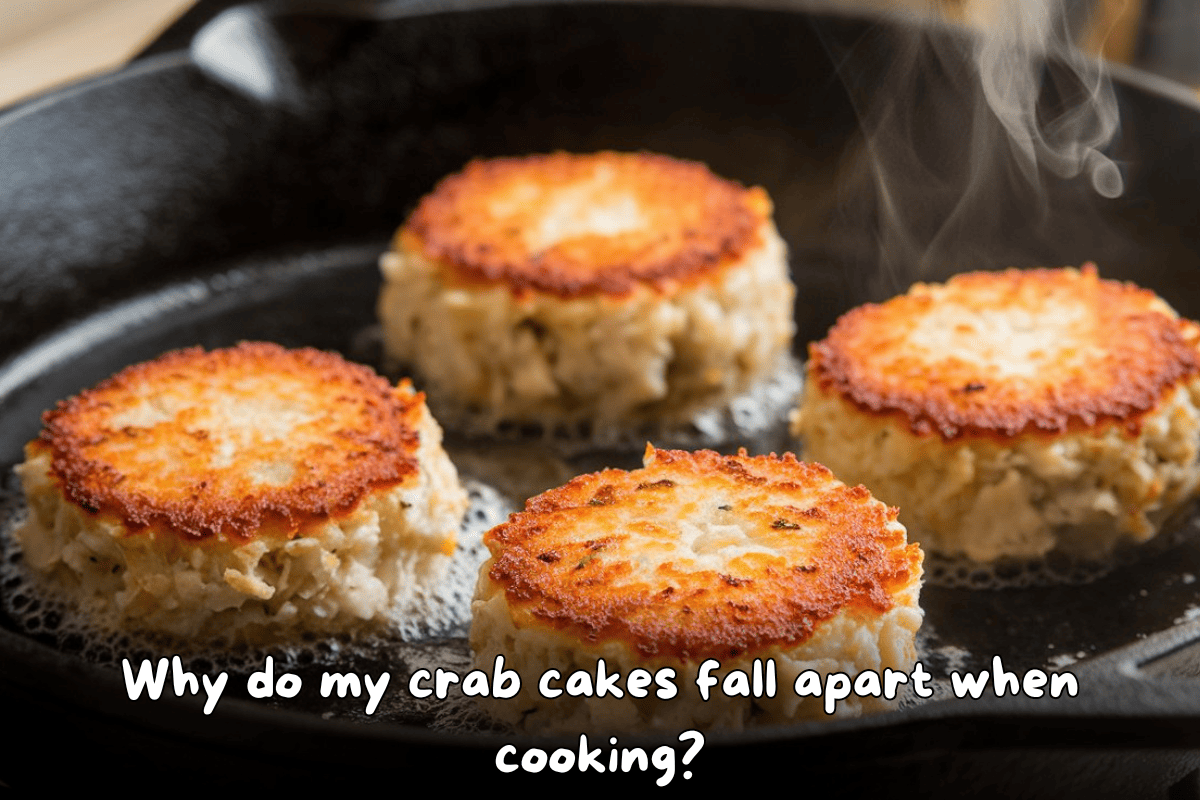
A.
x: 179, y: 34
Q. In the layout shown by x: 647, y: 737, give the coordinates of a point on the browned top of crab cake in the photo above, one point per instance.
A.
x: 574, y: 225
x: 701, y: 555
x: 232, y: 442
x: 1005, y: 353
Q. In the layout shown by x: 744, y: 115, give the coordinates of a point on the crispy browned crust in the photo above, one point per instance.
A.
x: 359, y: 434
x: 695, y: 223
x: 1124, y: 351
x: 836, y: 552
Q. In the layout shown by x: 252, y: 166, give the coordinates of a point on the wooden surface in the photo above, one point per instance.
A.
x: 46, y: 43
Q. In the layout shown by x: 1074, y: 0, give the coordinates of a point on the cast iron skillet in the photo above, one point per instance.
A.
x: 242, y: 188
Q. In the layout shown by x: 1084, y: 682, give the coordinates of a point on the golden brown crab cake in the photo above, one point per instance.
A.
x: 696, y: 556
x: 587, y: 289
x: 1012, y: 413
x: 245, y: 493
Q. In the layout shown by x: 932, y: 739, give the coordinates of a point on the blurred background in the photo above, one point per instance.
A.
x: 47, y: 43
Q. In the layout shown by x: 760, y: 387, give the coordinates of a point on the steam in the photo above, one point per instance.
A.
x: 1010, y: 56
x: 962, y: 134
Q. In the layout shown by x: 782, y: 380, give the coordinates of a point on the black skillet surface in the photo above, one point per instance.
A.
x: 243, y: 189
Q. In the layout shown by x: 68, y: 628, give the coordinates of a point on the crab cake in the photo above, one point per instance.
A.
x: 696, y: 556
x: 242, y: 493
x: 1011, y: 414
x: 587, y: 290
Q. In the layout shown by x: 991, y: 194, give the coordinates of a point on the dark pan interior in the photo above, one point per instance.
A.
x: 182, y: 202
